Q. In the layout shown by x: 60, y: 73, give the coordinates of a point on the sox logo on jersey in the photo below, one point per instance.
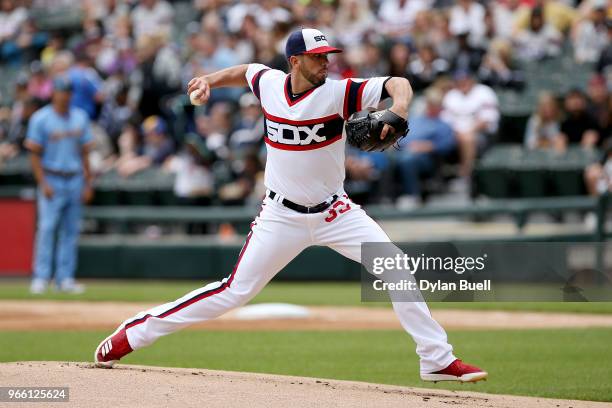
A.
x: 293, y: 135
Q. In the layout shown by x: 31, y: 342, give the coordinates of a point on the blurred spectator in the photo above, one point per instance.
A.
x: 421, y: 30
x: 468, y: 16
x: 445, y: 43
x: 194, y: 182
x: 25, y: 46
x: 266, y: 52
x: 499, y: 68
x: 600, y: 104
x: 471, y: 109
x: 248, y: 182
x: 152, y: 17
x: 604, y: 64
x: 158, y: 74
x: 468, y: 57
x: 396, y: 17
x: 91, y: 35
x: 20, y: 94
x: 19, y: 125
x: 365, y: 171
x: 39, y: 85
x: 87, y: 84
x: 54, y: 45
x: 429, y: 141
x: 539, y: 40
x: 211, y: 54
x: 11, y: 19
x: 219, y: 128
x: 598, y: 176
x: 243, y: 50
x: 264, y: 14
x: 215, y: 142
x: 591, y: 34
x: 116, y: 54
x: 326, y: 15
x: 543, y: 127
x: 250, y: 127
x: 354, y: 20
x: 555, y: 13
x: 426, y: 68
x: 111, y: 13
x: 115, y: 113
x: 157, y: 147
x: 237, y: 12
x: 578, y: 126
x: 503, y: 14
x: 129, y: 146
x: 8, y: 150
x: 368, y: 60
x: 399, y: 58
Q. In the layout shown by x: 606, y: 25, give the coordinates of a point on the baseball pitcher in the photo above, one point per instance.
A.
x: 305, y: 204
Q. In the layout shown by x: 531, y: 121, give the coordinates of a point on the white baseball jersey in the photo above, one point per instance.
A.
x: 304, y: 133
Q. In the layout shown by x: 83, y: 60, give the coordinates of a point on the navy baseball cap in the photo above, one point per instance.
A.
x: 308, y: 41
x: 62, y: 83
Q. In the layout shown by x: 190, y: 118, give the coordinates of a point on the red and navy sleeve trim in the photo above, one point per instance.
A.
x: 353, y: 97
x: 255, y: 82
x: 384, y: 94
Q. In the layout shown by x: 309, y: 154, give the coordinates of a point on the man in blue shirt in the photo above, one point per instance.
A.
x: 429, y: 139
x: 59, y: 139
x: 86, y: 85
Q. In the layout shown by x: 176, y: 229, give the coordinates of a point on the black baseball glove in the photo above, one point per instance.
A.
x: 363, y: 129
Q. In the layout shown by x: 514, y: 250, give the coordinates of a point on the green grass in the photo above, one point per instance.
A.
x: 567, y: 364
x: 302, y: 293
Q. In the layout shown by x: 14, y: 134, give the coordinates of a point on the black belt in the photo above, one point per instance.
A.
x: 302, y: 208
x: 65, y: 174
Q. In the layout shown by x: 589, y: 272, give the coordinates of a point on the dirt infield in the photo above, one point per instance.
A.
x: 58, y: 315
x: 129, y: 386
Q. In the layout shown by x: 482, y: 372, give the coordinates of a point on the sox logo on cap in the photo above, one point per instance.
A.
x: 308, y: 41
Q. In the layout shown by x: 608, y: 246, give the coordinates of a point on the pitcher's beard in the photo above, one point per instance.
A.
x: 313, y: 78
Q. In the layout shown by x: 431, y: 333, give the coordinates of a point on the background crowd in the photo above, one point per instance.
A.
x: 129, y: 62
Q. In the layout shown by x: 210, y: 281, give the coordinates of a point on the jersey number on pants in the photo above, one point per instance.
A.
x: 339, y: 205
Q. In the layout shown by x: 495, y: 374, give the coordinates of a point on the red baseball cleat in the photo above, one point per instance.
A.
x: 457, y: 371
x: 112, y: 349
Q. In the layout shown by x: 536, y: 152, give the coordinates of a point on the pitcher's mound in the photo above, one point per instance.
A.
x: 143, y: 386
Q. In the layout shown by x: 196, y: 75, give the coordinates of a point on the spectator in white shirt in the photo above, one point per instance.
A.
x: 11, y: 19
x: 194, y: 183
x: 468, y: 16
x: 397, y: 17
x: 354, y: 20
x: 539, y: 40
x: 504, y: 16
x: 591, y: 34
x: 472, y: 111
x: 152, y: 17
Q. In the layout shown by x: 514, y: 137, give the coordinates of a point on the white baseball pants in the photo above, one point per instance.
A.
x: 278, y: 235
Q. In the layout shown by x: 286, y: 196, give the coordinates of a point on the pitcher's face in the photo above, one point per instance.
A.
x: 314, y: 67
